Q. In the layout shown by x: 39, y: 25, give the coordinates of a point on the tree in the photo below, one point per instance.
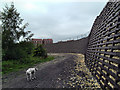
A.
x: 40, y: 51
x: 12, y: 28
x: 0, y: 43
x: 12, y: 32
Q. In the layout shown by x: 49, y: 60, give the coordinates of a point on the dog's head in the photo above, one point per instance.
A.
x: 36, y: 69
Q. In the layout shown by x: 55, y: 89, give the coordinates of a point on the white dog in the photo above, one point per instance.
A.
x: 30, y: 73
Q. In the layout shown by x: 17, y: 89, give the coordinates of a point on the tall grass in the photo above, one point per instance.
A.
x: 16, y: 65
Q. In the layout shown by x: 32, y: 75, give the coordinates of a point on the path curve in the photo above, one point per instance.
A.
x: 63, y: 72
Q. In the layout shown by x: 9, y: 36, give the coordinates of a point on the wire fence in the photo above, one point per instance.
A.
x: 77, y: 37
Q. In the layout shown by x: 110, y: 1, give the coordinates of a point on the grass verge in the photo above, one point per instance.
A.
x: 16, y: 65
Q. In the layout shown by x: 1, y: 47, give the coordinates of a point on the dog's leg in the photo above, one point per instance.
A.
x: 27, y: 76
x: 33, y: 73
x: 34, y: 76
x: 30, y: 76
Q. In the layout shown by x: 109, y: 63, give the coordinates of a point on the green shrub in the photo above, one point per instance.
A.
x: 27, y: 46
x: 14, y: 54
x: 39, y: 51
x: 18, y: 51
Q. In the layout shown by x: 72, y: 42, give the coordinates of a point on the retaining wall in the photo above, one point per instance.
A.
x: 103, y: 52
x: 77, y: 46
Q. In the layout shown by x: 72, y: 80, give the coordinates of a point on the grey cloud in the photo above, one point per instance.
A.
x: 60, y: 20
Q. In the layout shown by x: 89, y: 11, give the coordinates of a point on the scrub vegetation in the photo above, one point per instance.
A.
x: 18, y: 51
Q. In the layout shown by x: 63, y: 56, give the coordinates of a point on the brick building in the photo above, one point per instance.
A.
x: 47, y: 41
x: 42, y: 41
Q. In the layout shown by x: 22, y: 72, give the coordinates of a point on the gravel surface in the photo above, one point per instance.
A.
x: 65, y: 71
x: 81, y: 77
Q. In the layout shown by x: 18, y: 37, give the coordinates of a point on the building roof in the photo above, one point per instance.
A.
x: 47, y: 39
x: 36, y: 39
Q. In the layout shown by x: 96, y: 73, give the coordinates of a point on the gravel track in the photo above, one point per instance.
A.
x: 62, y: 72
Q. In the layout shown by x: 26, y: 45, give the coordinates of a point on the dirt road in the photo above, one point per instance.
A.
x: 66, y: 71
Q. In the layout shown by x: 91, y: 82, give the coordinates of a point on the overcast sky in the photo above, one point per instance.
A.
x: 57, y: 20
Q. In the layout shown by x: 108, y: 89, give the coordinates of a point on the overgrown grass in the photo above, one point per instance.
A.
x: 16, y: 65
